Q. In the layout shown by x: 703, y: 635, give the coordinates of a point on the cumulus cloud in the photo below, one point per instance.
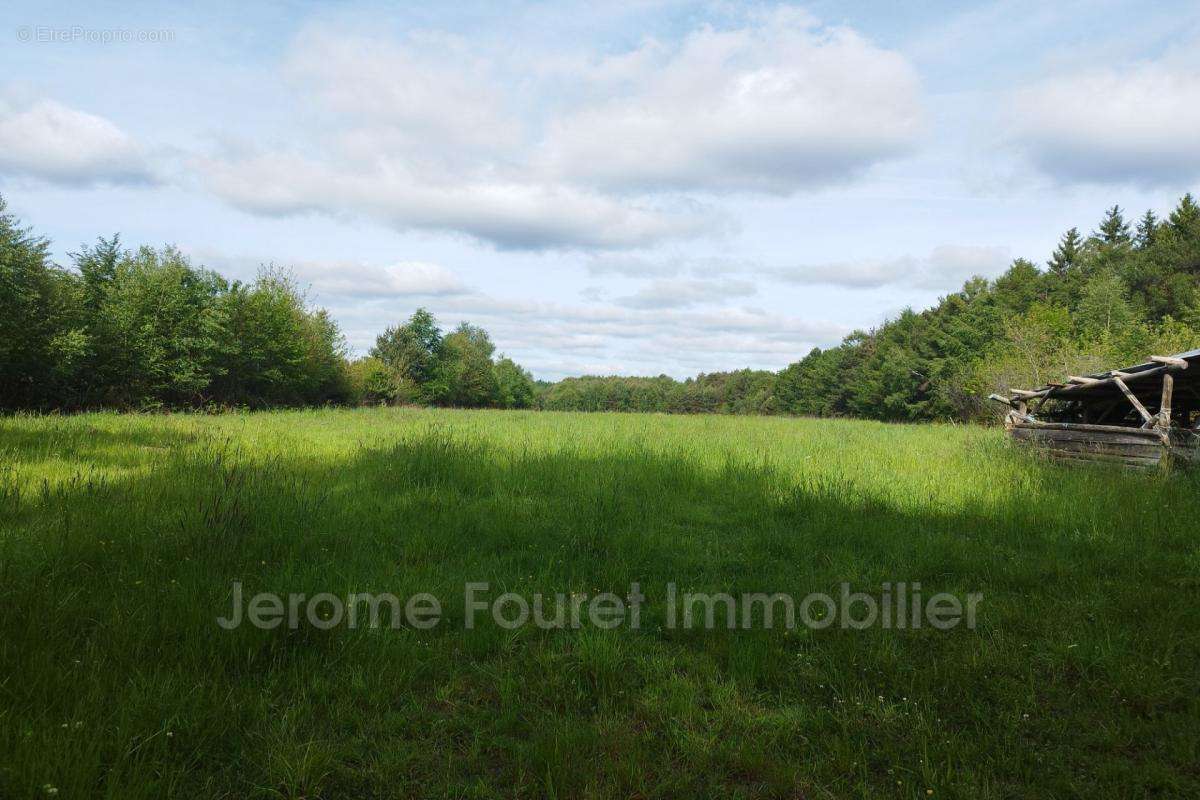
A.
x: 685, y: 293
x: 945, y: 268
x: 380, y: 281
x: 773, y: 107
x: 51, y: 142
x: 428, y: 96
x: 507, y: 214
x: 636, y: 266
x: 334, y: 281
x: 556, y: 340
x: 632, y: 266
x: 518, y: 150
x: 1133, y: 125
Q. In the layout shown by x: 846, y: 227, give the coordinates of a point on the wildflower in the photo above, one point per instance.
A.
x: 50, y: 789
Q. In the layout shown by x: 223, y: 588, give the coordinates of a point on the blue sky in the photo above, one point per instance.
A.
x: 629, y: 188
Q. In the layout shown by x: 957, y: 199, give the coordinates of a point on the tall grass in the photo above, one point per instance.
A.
x: 122, y: 535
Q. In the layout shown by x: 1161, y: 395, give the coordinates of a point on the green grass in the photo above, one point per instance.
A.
x: 120, y: 537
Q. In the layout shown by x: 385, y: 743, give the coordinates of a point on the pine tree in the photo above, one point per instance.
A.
x: 1066, y: 254
x: 1185, y: 219
x: 1113, y: 228
x: 1147, y: 229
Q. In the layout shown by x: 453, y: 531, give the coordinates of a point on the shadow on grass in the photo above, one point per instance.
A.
x: 1068, y: 684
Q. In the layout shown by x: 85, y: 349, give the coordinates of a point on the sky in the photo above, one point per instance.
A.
x: 608, y: 188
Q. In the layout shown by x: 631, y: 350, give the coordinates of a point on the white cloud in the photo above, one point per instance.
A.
x: 555, y: 339
x: 337, y: 281
x: 1133, y: 125
x: 632, y: 266
x: 52, y: 142
x: 523, y: 151
x: 685, y: 293
x: 775, y: 106
x: 635, y: 266
x: 428, y: 96
x: 945, y: 268
x: 375, y: 281
x: 509, y: 215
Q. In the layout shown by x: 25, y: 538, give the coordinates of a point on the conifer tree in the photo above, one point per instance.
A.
x: 1066, y: 255
x: 1185, y: 219
x: 1113, y: 228
x: 1147, y: 228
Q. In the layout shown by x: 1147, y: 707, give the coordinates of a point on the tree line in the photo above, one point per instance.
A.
x: 146, y: 329
x: 1106, y: 299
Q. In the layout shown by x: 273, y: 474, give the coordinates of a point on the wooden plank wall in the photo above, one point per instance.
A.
x: 1129, y: 446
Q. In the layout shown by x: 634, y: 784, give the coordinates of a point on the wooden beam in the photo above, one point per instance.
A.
x: 1084, y: 381
x: 1018, y: 409
x: 1116, y: 373
x: 1170, y: 361
x: 1042, y: 400
x: 1123, y: 430
x: 1141, y: 409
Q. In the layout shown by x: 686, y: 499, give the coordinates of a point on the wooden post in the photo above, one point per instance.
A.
x: 1164, y: 408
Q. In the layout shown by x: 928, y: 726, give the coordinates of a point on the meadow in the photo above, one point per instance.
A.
x: 122, y: 535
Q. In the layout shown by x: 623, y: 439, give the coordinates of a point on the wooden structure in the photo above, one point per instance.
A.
x: 1147, y: 415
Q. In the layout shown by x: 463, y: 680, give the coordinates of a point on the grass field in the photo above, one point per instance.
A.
x: 122, y: 536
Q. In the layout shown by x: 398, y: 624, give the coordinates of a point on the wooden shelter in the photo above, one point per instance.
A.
x: 1147, y: 415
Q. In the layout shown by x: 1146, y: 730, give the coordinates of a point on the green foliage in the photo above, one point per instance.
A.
x: 147, y: 329
x: 740, y: 392
x: 1111, y: 299
x: 464, y: 375
x: 412, y: 350
x: 422, y: 366
x: 370, y: 382
x: 514, y: 384
x: 1066, y: 255
x: 1104, y: 311
x: 38, y: 317
x: 1113, y: 228
x: 1147, y: 230
x: 283, y: 353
